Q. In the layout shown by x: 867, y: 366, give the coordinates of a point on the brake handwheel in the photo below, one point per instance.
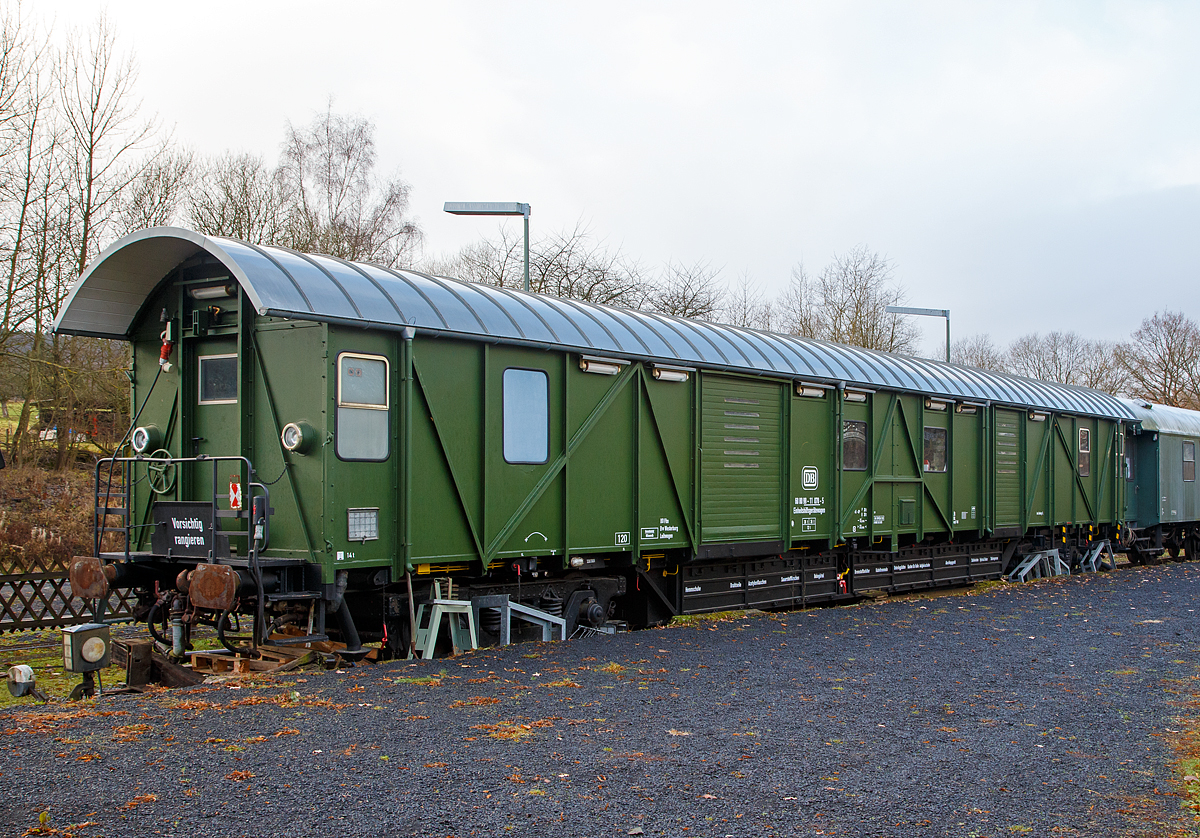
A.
x: 160, y: 476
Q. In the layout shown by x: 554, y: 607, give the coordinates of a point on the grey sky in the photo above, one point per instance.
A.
x: 1030, y: 166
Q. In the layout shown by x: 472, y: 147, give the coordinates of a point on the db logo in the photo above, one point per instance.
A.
x: 235, y: 492
x: 808, y: 477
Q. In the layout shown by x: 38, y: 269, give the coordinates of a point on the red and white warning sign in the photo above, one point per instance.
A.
x: 235, y: 492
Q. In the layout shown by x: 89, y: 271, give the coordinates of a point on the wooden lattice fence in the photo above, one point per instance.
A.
x: 36, y: 594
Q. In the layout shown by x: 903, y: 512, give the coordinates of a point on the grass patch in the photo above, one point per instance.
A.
x: 421, y: 680
x: 42, y: 650
x: 562, y: 682
x: 714, y: 617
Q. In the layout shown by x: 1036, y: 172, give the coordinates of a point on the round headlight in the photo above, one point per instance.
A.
x: 93, y: 649
x: 146, y: 438
x: 297, y: 437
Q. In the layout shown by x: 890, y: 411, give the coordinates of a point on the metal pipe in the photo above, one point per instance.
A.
x: 412, y: 618
x: 526, y: 214
x: 349, y: 631
x: 177, y: 649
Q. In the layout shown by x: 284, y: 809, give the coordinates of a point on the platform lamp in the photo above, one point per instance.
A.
x: 926, y: 312
x: 494, y: 208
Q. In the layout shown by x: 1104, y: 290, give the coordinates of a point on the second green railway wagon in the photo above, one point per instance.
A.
x: 1162, y: 503
x: 604, y: 464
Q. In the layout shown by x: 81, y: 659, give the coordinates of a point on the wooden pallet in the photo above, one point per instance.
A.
x: 223, y: 662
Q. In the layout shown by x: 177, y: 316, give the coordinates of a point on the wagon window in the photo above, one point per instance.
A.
x: 526, y: 416
x: 1189, y: 461
x: 854, y: 446
x: 218, y: 379
x: 1085, y: 452
x: 362, y: 412
x: 935, y: 449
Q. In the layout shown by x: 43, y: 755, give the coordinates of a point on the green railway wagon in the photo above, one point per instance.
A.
x: 1162, y: 504
x: 317, y: 442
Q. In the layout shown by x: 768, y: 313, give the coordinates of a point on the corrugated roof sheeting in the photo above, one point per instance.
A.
x: 1163, y: 419
x: 285, y: 283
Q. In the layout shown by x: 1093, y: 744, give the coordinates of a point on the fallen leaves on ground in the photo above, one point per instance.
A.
x: 475, y: 701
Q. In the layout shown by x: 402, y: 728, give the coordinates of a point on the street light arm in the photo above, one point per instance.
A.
x: 925, y: 312
x: 495, y: 208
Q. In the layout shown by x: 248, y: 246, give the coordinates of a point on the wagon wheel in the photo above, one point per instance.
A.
x: 160, y: 476
x: 1173, y: 550
x: 1074, y: 557
x: 1190, y: 545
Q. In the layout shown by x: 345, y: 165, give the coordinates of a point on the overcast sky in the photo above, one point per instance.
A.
x: 1028, y: 165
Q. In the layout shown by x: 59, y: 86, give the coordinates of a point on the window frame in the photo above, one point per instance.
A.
x: 945, y: 432
x: 866, y: 447
x: 386, y: 407
x: 504, y: 416
x: 1186, y: 461
x: 1084, y: 446
x: 200, y: 359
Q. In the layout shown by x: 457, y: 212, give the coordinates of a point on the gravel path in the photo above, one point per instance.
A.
x: 1043, y: 709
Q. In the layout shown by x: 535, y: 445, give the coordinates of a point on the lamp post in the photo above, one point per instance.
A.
x: 926, y: 312
x: 494, y: 208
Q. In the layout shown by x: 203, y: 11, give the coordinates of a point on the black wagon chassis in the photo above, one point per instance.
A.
x: 194, y: 572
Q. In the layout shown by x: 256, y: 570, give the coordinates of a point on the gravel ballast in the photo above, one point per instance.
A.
x: 1043, y: 709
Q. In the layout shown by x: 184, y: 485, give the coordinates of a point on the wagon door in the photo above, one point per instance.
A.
x: 213, y: 390
x: 215, y: 425
x: 1008, y: 469
x: 741, y: 471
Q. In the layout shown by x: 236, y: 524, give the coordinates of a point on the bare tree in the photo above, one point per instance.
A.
x: 22, y: 50
x: 571, y: 264
x: 574, y: 264
x: 1102, y: 368
x: 799, y: 308
x: 746, y: 306
x: 1055, y: 356
x: 339, y: 206
x: 101, y: 115
x: 36, y: 212
x: 1068, y: 358
x: 1163, y: 360
x: 498, y: 261
x: 238, y: 196
x: 691, y: 291
x: 27, y: 156
x: 158, y: 193
x: 72, y: 140
x: 978, y: 351
x: 846, y: 304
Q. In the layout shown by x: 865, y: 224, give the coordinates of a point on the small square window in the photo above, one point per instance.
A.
x: 362, y: 524
x: 1189, y: 462
x: 218, y: 379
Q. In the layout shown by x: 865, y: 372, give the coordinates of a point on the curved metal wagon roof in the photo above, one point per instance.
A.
x: 281, y: 282
x: 1164, y: 419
